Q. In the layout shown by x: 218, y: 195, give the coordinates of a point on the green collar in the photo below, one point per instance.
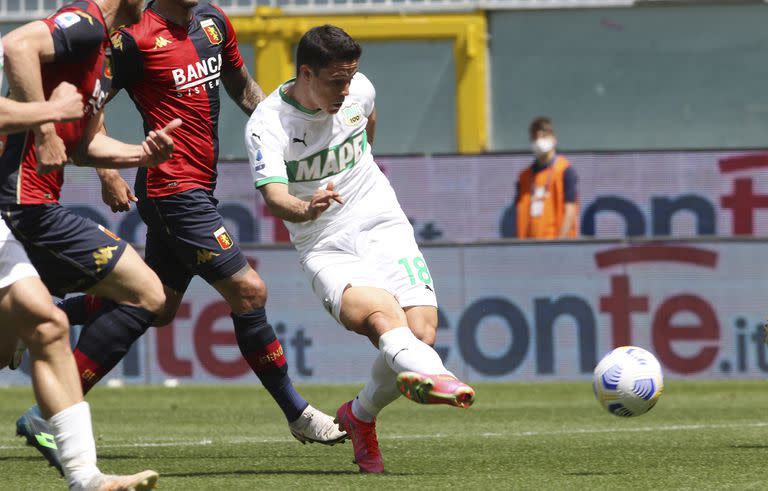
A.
x: 293, y: 102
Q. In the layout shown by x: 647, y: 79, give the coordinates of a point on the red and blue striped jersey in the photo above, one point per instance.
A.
x: 81, y: 57
x: 172, y: 71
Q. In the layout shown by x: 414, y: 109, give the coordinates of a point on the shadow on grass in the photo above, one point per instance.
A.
x: 30, y: 458
x: 751, y: 446
x: 26, y: 458
x: 594, y: 473
x: 272, y: 472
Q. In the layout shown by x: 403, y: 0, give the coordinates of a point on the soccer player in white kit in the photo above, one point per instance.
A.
x: 309, y: 147
x: 27, y: 313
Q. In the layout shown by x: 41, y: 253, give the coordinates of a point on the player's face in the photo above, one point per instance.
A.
x: 330, y: 85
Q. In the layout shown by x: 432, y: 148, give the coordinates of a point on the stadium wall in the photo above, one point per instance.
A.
x: 509, y: 311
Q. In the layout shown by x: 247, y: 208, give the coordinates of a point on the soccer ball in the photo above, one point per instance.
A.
x: 628, y: 381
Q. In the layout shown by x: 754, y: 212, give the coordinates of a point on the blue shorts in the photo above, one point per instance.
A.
x: 71, y: 253
x: 186, y: 237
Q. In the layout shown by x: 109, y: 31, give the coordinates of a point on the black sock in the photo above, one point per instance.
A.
x: 263, y: 352
x: 107, y: 338
x: 81, y: 308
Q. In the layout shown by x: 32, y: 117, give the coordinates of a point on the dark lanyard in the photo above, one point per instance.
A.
x: 549, y: 172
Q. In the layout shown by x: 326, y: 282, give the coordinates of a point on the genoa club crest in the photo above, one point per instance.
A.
x: 211, y: 31
x: 223, y: 238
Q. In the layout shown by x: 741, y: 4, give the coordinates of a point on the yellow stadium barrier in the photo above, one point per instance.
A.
x: 274, y: 36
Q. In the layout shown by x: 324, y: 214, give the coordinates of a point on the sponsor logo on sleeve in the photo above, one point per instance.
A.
x: 67, y: 19
x: 211, y: 31
x: 259, y: 163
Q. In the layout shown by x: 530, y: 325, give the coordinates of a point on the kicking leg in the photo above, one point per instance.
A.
x: 422, y: 377
x: 382, y: 389
x: 358, y: 417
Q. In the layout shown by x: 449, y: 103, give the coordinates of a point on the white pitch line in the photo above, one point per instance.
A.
x: 644, y: 429
x: 170, y: 442
x: 180, y: 443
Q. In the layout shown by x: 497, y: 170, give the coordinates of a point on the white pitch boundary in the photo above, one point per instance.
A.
x: 171, y: 442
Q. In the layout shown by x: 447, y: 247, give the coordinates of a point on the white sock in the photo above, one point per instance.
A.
x: 404, y: 352
x: 380, y: 391
x: 359, y: 411
x: 74, y: 438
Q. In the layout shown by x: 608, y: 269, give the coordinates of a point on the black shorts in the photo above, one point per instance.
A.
x: 71, y: 253
x: 186, y: 237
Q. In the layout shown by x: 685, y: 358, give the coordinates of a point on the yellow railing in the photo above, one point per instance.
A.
x: 275, y: 35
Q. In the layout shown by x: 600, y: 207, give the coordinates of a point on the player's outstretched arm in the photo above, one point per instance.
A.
x: 65, y: 104
x: 100, y: 150
x: 243, y: 89
x: 290, y: 208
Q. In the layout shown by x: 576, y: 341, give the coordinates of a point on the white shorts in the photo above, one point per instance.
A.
x: 14, y: 263
x: 380, y: 253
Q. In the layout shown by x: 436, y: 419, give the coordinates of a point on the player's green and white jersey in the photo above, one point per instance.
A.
x: 306, y: 149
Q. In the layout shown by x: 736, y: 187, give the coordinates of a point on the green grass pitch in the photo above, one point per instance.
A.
x: 701, y: 435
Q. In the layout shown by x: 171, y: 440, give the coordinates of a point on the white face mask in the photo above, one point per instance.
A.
x: 542, y: 146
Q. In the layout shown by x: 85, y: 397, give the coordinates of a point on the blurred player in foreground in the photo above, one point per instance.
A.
x: 69, y: 252
x: 171, y: 64
x: 309, y: 146
x: 27, y: 312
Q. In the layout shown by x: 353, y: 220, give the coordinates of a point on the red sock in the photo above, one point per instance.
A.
x: 91, y: 306
x: 90, y: 371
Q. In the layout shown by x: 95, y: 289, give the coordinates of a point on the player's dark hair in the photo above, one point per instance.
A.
x: 541, y: 123
x: 323, y: 45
